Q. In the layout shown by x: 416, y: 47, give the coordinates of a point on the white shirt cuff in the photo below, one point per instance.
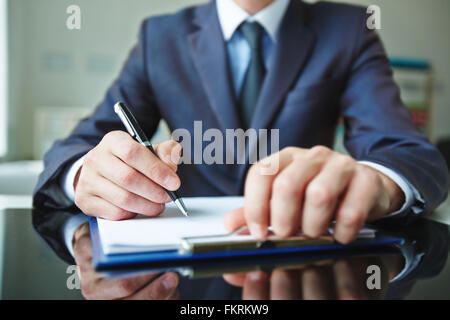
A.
x: 68, y: 178
x: 69, y: 228
x: 410, y: 192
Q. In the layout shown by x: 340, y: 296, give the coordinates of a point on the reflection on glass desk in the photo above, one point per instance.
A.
x: 418, y: 269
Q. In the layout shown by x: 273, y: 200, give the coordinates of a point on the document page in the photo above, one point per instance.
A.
x: 145, y: 234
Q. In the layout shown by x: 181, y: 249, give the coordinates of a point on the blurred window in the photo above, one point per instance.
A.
x: 3, y: 78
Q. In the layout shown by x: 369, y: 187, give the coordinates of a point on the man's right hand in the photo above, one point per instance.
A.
x: 120, y: 178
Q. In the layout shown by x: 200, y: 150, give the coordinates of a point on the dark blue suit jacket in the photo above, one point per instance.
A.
x: 326, y: 65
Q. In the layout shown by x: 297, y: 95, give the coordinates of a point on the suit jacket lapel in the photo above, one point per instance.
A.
x: 208, y: 50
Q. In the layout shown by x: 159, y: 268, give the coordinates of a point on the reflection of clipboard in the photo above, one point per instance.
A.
x: 286, y: 262
x: 291, y: 261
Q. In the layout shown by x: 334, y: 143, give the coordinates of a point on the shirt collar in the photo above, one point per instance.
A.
x: 231, y: 16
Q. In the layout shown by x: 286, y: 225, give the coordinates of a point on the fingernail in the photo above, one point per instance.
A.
x: 170, y: 282
x: 171, y: 183
x: 256, y: 230
x: 255, y: 276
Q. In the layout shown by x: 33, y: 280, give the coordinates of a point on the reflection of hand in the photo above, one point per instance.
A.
x: 94, y: 286
x: 344, y: 279
x: 311, y: 188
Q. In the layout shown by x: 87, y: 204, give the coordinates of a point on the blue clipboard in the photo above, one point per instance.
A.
x: 173, y: 258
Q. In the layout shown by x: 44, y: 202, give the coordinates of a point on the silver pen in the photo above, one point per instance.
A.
x: 133, y: 128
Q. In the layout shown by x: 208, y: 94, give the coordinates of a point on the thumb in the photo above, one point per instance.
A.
x: 234, y: 219
x: 169, y: 152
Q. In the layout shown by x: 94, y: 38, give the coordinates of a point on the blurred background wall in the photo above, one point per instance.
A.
x: 51, y: 67
x: 58, y: 75
x: 53, y: 70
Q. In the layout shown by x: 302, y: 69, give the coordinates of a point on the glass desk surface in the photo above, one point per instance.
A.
x: 420, y: 269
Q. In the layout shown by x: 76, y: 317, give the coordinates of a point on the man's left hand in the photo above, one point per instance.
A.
x: 310, y: 189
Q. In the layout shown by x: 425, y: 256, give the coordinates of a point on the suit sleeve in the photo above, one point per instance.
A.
x: 379, y: 128
x: 132, y: 87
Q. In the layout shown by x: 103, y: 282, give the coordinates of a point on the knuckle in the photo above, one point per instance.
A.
x: 262, y: 168
x: 87, y: 292
x: 285, y: 186
x: 130, y: 150
x: 256, y: 172
x: 290, y: 153
x: 176, y: 150
x: 371, y: 176
x: 107, y: 138
x: 127, y: 177
x: 368, y: 173
x: 125, y: 287
x: 159, y: 209
x: 319, y: 151
x: 154, y: 209
x: 289, y: 150
x: 167, y: 158
x: 353, y: 217
x: 346, y: 161
x: 90, y: 158
x: 159, y: 194
x: 77, y: 248
x: 166, y: 147
x: 113, y: 136
x: 125, y: 199
x: 172, y: 144
x: 118, y: 214
x: 319, y: 194
x: 157, y: 171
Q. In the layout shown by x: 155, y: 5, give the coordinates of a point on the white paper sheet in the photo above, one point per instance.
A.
x: 164, y: 232
x: 144, y: 234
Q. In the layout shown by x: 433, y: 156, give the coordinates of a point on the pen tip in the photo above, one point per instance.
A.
x: 180, y: 204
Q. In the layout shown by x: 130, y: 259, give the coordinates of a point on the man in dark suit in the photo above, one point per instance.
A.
x: 258, y: 64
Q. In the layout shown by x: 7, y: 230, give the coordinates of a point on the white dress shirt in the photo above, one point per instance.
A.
x: 231, y: 16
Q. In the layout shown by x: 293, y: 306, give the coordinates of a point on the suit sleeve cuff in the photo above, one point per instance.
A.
x: 412, y: 196
x: 68, y: 178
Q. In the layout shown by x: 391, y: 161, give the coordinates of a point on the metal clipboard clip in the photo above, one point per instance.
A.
x: 242, y: 240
